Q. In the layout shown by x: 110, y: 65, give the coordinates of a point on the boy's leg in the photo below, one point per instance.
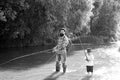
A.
x: 87, y: 69
x: 58, y: 59
x: 91, y: 69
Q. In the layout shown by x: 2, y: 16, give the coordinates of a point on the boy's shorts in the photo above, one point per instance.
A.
x: 89, y: 68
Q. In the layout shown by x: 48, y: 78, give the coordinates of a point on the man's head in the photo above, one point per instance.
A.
x: 62, y: 32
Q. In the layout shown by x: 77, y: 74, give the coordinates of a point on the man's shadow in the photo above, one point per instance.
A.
x: 86, y: 77
x: 54, y: 76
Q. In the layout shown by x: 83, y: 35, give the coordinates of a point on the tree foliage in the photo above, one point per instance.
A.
x: 105, y: 22
x: 35, y: 22
x: 22, y: 21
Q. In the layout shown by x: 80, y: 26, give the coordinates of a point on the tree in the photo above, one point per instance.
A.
x: 32, y: 22
x: 106, y: 23
x: 22, y: 21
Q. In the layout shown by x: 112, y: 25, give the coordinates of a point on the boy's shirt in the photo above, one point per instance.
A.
x: 90, y: 61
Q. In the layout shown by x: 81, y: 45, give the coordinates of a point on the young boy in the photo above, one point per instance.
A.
x: 89, y: 62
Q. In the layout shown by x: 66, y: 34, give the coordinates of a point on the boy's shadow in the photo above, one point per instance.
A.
x: 86, y: 78
x: 54, y: 76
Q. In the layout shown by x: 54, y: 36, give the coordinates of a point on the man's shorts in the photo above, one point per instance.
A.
x: 61, y: 57
x: 89, y: 68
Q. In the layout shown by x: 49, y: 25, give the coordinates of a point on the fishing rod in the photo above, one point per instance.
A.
x: 83, y: 47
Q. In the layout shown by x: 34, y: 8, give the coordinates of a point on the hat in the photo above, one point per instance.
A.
x: 88, y: 50
x: 63, y: 29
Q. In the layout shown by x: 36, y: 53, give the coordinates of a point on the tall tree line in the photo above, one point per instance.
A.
x: 36, y: 22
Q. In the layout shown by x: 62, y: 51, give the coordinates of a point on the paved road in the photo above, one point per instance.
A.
x: 107, y: 63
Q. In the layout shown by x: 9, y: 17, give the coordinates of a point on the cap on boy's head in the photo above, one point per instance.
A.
x: 88, y: 50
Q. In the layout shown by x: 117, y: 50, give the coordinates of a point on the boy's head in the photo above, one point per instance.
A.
x: 88, y: 50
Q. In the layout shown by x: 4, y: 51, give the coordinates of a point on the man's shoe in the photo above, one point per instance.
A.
x: 57, y: 67
x: 64, y: 68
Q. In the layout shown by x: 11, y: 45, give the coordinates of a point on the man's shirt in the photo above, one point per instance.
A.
x: 62, y: 44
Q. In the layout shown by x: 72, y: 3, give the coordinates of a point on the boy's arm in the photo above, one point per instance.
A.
x: 86, y: 57
x: 92, y: 57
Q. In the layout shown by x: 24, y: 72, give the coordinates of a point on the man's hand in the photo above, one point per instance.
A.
x: 54, y: 50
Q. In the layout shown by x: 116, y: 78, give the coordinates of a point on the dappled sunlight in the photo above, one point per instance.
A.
x: 110, y: 72
x: 76, y: 66
x: 105, y: 73
x: 113, y: 52
x: 100, y: 71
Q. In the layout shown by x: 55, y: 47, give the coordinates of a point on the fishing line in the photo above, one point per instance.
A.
x: 25, y: 56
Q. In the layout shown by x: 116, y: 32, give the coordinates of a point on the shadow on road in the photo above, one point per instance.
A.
x: 34, y: 60
x: 54, y: 76
x: 29, y: 62
x: 86, y: 78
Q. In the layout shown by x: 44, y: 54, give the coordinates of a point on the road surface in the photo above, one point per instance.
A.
x: 42, y: 67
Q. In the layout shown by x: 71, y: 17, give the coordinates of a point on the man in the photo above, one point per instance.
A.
x: 60, y: 50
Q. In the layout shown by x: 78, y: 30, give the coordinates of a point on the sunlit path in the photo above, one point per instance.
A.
x: 107, y: 63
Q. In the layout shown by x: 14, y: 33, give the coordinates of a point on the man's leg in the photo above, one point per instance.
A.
x: 64, y: 62
x: 58, y: 59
